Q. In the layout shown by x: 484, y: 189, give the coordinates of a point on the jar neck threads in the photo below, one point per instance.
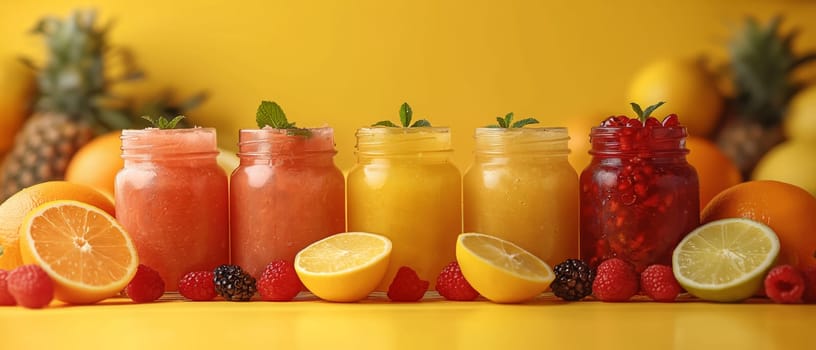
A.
x: 153, y: 144
x: 422, y: 142
x: 638, y: 142
x: 537, y: 142
x: 281, y: 144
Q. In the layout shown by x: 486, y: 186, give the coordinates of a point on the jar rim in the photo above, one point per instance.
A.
x: 384, y: 130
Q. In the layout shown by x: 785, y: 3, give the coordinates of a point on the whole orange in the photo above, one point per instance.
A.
x: 714, y: 169
x: 787, y: 209
x: 16, y: 207
x: 97, y: 163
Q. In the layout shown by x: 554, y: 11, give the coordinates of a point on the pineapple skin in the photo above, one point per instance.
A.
x: 42, y: 150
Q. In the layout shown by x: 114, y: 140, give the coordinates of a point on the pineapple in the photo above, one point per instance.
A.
x: 762, y: 67
x: 73, y: 104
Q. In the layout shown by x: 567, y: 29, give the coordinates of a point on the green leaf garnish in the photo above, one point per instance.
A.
x: 406, y: 115
x: 643, y: 115
x: 163, y: 123
x: 507, y: 122
x: 524, y: 122
x: 1, y: 250
x: 271, y: 114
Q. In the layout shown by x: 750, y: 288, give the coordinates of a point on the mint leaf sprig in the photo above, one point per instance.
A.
x: 162, y: 122
x: 406, y: 114
x: 643, y: 115
x: 270, y: 114
x: 507, y: 122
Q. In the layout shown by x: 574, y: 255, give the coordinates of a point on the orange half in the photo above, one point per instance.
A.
x: 86, y: 252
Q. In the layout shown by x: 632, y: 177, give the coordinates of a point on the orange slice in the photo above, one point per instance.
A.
x: 15, y: 208
x: 86, y: 252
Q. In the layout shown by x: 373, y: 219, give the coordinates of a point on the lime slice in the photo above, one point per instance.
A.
x: 500, y: 270
x: 725, y: 260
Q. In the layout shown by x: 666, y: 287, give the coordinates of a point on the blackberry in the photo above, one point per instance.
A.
x: 233, y: 283
x: 573, y: 280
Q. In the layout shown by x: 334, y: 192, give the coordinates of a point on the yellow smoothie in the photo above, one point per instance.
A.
x: 406, y: 188
x: 522, y: 188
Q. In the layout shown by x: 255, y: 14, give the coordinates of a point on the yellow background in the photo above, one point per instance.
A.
x: 458, y: 63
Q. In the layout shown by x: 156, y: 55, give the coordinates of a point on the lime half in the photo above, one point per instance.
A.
x: 725, y: 260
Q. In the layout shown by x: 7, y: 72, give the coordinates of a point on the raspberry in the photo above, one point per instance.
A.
x: 407, y: 286
x: 658, y: 283
x: 233, y: 283
x: 146, y: 286
x: 279, y: 282
x: 452, y: 285
x: 810, y: 285
x: 197, y: 286
x: 30, y: 286
x: 6, y: 299
x: 785, y: 285
x: 615, y: 280
x: 573, y: 280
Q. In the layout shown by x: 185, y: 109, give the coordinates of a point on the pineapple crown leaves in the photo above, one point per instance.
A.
x: 645, y: 114
x: 507, y: 122
x: 73, y: 81
x: 763, y: 62
x: 163, y: 123
x: 406, y: 115
x: 271, y: 114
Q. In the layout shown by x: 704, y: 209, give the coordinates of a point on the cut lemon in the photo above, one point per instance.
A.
x: 86, y: 252
x: 345, y: 267
x: 725, y: 260
x: 500, y: 270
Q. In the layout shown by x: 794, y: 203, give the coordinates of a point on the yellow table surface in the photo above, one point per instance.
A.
x: 545, y: 323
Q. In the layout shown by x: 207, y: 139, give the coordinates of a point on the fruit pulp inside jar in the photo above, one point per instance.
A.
x: 637, y: 207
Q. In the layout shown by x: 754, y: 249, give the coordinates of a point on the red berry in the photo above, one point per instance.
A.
x: 407, y: 286
x: 197, y: 286
x: 279, y: 282
x: 6, y: 299
x: 658, y: 283
x: 615, y: 121
x: 671, y: 120
x: 146, y: 286
x: 634, y: 123
x: 785, y: 285
x: 652, y: 122
x: 30, y: 286
x: 810, y: 284
x: 615, y: 280
x: 452, y: 285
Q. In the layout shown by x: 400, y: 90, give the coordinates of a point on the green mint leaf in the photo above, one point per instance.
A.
x: 421, y: 123
x: 502, y: 123
x: 508, y: 119
x: 638, y: 111
x: 172, y: 124
x: 523, y: 122
x: 405, y: 114
x: 493, y: 126
x: 271, y: 114
x: 1, y: 250
x: 162, y: 122
x: 387, y: 123
x: 648, y: 112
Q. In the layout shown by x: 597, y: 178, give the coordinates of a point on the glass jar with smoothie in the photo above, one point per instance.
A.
x: 520, y: 187
x: 406, y: 188
x: 286, y: 194
x: 639, y: 195
x: 171, y: 196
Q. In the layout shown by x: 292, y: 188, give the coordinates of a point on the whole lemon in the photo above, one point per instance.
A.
x: 800, y: 120
x: 16, y: 92
x: 793, y: 161
x: 688, y: 90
